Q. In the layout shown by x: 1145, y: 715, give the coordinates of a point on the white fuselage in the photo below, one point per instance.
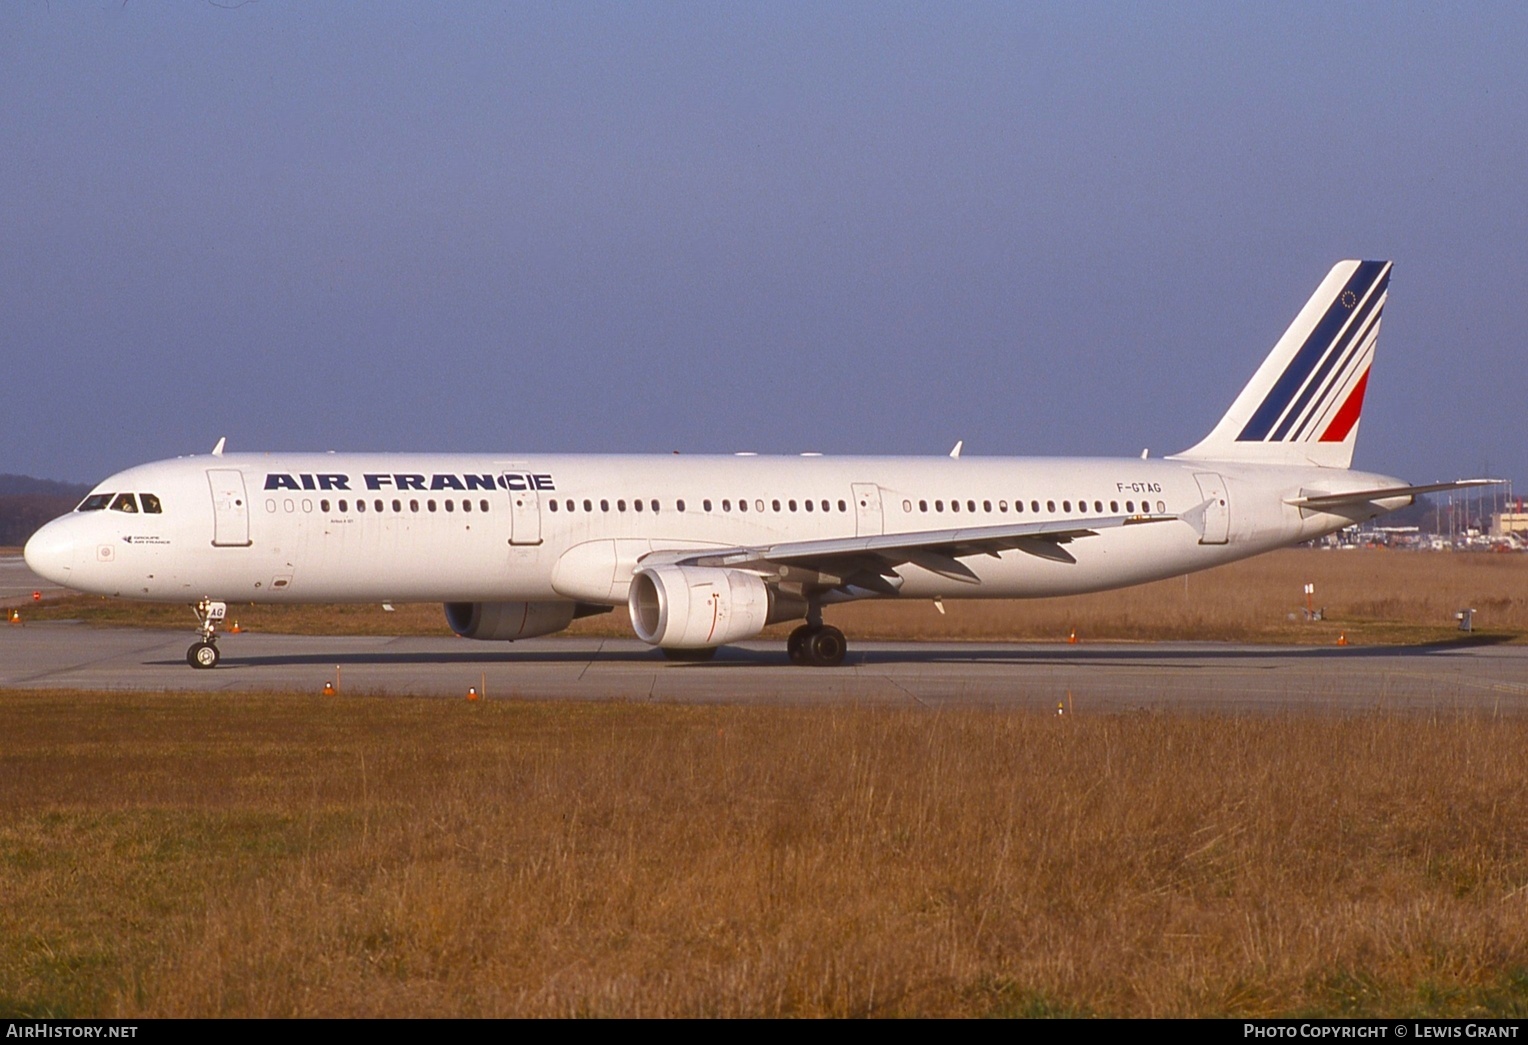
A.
x: 481, y: 528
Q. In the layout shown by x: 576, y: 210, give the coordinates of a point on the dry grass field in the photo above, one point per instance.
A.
x: 1370, y: 596
x: 191, y: 855
x: 174, y: 855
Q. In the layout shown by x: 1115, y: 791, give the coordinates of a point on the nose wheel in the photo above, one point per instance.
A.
x: 204, y: 653
x: 817, y: 645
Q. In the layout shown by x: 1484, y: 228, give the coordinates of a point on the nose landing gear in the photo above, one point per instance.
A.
x: 204, y: 653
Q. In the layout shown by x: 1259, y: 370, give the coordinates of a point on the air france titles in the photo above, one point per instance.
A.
x: 410, y: 481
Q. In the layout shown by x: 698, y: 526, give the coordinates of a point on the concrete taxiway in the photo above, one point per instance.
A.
x: 17, y: 583
x: 1102, y: 676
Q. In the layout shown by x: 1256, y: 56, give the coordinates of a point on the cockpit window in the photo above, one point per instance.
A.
x: 150, y: 504
x: 125, y: 502
x: 95, y: 502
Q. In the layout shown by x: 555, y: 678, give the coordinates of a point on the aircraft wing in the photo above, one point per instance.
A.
x: 1318, y: 501
x: 836, y: 559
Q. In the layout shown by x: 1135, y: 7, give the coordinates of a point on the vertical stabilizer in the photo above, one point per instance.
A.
x: 1303, y: 404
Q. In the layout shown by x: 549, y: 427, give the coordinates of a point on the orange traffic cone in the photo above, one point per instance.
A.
x: 328, y: 689
x: 15, y: 617
x: 472, y: 693
x: 1342, y: 638
x: 1072, y: 638
x: 235, y: 629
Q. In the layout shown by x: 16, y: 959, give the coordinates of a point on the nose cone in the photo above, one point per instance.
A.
x: 53, y: 551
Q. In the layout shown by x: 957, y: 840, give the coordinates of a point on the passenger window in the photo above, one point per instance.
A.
x: 466, y: 505
x: 1066, y: 506
x: 360, y: 506
x: 413, y: 505
x: 826, y: 507
x: 150, y: 504
x: 1034, y: 506
x: 792, y: 504
x: 125, y: 502
x: 742, y: 506
x: 1130, y: 506
x: 344, y: 507
x: 679, y: 504
x: 726, y: 505
x: 430, y: 504
x: 922, y: 506
x: 986, y: 506
x: 323, y: 505
x: 397, y: 505
x: 604, y: 505
x: 588, y: 505
x: 552, y: 504
x: 954, y: 506
x: 637, y: 504
x: 1114, y: 507
x: 377, y: 504
x: 450, y: 505
x: 843, y: 506
x: 706, y: 504
x: 758, y: 504
x: 654, y: 505
x: 970, y: 506
x: 938, y: 506
x: 1161, y: 508
x: 620, y: 505
x: 775, y: 505
x: 1098, y: 506
x: 1050, y: 506
x: 1018, y: 506
x: 483, y: 505
x: 1002, y: 506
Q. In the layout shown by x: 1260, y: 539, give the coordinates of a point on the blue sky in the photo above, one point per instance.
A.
x: 854, y: 228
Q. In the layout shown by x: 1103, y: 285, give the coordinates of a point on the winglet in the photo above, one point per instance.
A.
x: 217, y: 451
x: 958, y: 444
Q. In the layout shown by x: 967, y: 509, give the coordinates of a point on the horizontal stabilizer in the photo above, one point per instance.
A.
x: 1316, y: 502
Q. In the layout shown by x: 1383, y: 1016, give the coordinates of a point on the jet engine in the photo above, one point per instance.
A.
x: 697, y: 607
x: 504, y: 621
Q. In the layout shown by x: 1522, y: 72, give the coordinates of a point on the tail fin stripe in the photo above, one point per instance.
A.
x: 1341, y: 381
x: 1347, y: 416
x: 1369, y: 276
x: 1332, y: 372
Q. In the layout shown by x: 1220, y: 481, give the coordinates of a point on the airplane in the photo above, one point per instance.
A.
x: 703, y: 551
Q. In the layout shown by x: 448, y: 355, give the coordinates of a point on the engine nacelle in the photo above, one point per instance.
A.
x: 696, y: 607
x: 505, y: 621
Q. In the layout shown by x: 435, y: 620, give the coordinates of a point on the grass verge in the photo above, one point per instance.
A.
x: 199, y: 855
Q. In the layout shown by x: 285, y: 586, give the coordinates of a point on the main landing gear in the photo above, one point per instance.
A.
x: 204, y: 654
x: 819, y: 645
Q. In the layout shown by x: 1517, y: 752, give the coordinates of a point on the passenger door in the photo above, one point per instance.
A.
x: 230, y: 508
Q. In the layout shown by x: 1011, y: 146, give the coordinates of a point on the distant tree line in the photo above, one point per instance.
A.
x: 27, y: 503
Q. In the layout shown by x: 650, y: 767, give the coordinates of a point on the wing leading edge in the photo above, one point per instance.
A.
x: 840, y: 560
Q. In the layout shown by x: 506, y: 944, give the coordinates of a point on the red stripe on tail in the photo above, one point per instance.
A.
x: 1347, y: 417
